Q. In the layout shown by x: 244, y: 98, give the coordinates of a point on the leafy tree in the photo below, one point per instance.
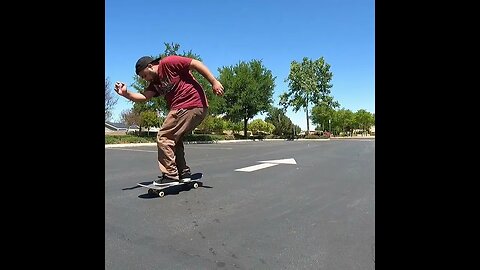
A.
x: 207, y: 125
x: 373, y: 119
x: 269, y: 128
x: 258, y: 125
x: 322, y: 113
x: 219, y: 125
x: 308, y: 83
x: 149, y: 119
x: 343, y: 120
x: 283, y: 124
x: 212, y: 124
x: 235, y: 127
x: 364, y: 119
x: 248, y: 90
x: 111, y: 100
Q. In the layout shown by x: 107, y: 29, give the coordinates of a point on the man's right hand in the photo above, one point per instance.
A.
x: 217, y: 88
x: 120, y: 88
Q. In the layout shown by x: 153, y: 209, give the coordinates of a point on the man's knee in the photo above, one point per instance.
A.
x: 163, y: 141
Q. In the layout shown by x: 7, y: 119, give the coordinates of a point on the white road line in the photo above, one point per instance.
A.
x: 138, y: 150
x: 155, y: 151
x: 256, y: 167
x: 266, y: 164
x: 208, y: 148
x: 281, y: 161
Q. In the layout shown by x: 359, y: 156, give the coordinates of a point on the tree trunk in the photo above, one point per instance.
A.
x: 308, y: 123
x: 245, y: 119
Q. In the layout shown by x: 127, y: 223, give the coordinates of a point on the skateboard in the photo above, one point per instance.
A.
x: 159, y: 189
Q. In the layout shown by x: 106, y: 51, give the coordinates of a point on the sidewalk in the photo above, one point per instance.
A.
x: 352, y: 138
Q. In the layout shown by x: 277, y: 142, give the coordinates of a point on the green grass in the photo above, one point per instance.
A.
x: 117, y: 139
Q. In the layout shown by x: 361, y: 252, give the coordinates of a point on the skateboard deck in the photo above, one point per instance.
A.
x: 158, y: 189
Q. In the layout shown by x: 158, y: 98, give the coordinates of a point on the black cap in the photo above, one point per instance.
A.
x: 143, y: 62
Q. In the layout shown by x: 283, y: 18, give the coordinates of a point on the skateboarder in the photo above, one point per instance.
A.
x: 171, y: 77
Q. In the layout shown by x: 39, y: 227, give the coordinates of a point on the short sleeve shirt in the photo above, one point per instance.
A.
x: 181, y: 89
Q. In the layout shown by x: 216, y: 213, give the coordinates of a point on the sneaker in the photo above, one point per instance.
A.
x: 185, y: 177
x: 163, y: 180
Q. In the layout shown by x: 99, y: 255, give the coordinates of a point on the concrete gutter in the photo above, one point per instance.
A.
x: 113, y: 145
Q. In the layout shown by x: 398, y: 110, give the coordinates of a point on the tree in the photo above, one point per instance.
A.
x: 258, y: 125
x: 322, y: 113
x: 110, y: 100
x: 149, y: 119
x: 343, y: 120
x: 235, y: 127
x: 248, y: 91
x: 206, y: 126
x: 212, y: 124
x: 130, y: 118
x: 283, y: 124
x: 219, y: 125
x: 308, y: 83
x: 364, y: 119
x: 297, y: 129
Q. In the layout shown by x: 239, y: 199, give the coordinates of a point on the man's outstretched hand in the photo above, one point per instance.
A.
x: 120, y: 88
x: 217, y: 88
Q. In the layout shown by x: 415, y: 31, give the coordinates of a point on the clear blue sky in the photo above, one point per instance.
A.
x: 224, y: 32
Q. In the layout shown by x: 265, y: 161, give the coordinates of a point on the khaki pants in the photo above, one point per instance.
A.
x: 171, y: 154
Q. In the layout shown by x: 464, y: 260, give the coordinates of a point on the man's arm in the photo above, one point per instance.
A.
x: 121, y: 89
x: 205, y: 72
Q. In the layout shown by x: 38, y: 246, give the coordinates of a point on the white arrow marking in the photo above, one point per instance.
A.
x: 266, y: 164
x: 281, y: 161
x: 256, y: 167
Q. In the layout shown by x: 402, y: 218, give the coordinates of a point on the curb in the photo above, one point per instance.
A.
x: 206, y: 142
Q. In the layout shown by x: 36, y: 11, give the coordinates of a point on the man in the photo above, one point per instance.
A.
x: 171, y: 77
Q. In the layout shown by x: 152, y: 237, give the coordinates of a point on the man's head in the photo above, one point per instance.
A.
x: 145, y: 67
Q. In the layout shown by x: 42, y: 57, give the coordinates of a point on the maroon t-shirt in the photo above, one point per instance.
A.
x: 176, y: 82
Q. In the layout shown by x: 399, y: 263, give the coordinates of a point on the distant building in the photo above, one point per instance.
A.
x: 112, y: 127
x: 135, y: 129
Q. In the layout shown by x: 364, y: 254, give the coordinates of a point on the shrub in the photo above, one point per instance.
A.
x: 312, y: 136
x: 109, y: 139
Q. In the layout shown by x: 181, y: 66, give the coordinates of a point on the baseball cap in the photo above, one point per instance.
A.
x: 143, y: 62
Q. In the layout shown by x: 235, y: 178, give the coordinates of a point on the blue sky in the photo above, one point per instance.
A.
x: 224, y: 32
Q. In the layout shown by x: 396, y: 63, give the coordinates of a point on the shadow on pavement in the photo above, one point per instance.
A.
x: 173, y: 190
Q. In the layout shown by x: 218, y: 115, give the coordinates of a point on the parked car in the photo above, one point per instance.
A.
x: 133, y: 129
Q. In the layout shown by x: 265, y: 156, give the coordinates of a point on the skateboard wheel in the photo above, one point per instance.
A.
x: 161, y: 194
x: 195, y: 185
x: 150, y: 191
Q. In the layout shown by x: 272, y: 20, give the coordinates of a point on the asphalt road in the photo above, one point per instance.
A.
x: 316, y: 214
